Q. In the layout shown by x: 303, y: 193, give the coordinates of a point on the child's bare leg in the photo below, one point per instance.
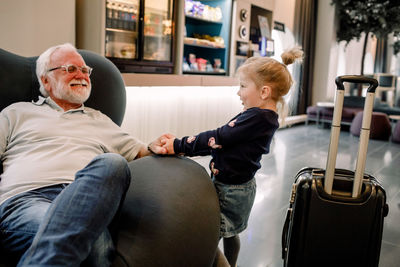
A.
x: 231, y: 249
x: 220, y: 260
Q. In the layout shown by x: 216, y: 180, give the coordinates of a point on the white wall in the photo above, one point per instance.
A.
x: 333, y: 59
x: 349, y: 59
x: 266, y: 4
x: 325, y: 53
x: 180, y: 110
x: 28, y: 27
x: 284, y: 12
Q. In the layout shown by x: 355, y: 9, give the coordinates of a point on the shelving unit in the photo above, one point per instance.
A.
x: 202, y: 43
x: 207, y: 40
x: 204, y: 46
x: 199, y: 19
x: 202, y: 72
x: 122, y: 31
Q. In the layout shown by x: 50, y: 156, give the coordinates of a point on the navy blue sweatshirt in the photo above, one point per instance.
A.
x: 236, y: 148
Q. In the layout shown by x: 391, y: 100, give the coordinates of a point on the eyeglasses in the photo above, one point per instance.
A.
x: 73, y: 68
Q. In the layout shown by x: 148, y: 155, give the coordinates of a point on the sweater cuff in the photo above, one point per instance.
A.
x: 177, y: 146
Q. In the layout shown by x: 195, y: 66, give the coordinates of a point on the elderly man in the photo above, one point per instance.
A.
x: 65, y: 170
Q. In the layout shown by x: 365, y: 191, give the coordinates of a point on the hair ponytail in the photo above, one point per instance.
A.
x: 289, y: 57
x: 292, y: 55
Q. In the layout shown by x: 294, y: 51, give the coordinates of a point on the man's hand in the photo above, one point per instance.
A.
x: 159, y: 146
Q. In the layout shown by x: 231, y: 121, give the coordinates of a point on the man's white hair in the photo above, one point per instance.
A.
x: 43, y: 61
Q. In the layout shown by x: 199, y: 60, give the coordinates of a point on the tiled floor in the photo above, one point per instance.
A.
x: 301, y: 146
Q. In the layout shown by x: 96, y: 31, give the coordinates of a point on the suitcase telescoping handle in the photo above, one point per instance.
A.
x: 364, y: 135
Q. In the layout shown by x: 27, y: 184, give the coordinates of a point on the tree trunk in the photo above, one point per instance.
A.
x: 362, y: 61
x: 363, y: 52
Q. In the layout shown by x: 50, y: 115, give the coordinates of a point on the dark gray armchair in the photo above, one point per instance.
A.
x: 171, y: 214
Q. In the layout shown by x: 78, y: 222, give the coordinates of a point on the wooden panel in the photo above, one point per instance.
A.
x: 137, y: 79
x: 30, y: 27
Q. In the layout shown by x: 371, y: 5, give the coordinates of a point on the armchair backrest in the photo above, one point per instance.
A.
x: 19, y: 83
x: 354, y: 101
x: 386, y: 88
x: 386, y: 80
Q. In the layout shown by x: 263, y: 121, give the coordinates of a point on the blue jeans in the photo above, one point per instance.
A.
x: 63, y: 225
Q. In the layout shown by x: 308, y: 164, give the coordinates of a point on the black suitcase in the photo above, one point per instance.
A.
x: 335, y: 216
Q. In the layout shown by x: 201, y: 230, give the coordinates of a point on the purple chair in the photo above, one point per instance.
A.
x: 380, y: 126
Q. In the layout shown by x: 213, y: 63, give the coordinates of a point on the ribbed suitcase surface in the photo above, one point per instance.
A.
x: 338, y: 230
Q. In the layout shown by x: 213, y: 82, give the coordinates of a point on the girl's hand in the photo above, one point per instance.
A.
x: 168, y: 144
x: 157, y: 145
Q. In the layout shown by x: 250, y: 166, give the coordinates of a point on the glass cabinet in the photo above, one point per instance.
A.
x: 157, y: 33
x: 139, y: 35
x: 122, y: 29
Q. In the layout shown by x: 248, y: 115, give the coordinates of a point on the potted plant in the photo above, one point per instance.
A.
x: 377, y: 17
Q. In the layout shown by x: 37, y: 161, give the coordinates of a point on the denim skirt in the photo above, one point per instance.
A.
x: 235, y: 203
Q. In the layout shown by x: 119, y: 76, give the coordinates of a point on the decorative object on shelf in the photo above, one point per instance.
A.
x: 242, y: 48
x: 185, y: 65
x: 266, y: 47
x: 279, y: 26
x: 209, y: 67
x: 205, y: 39
x: 199, y: 10
x: 202, y: 43
x: 201, y: 64
x: 261, y: 43
x: 128, y: 51
x: 193, y: 62
x: 217, y: 64
x: 264, y: 26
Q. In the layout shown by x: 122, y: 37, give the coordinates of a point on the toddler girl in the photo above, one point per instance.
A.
x: 236, y: 147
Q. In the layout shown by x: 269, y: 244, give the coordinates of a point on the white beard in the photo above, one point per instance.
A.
x: 76, y: 96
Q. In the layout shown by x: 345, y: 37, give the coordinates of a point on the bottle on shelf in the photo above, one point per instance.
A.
x: 114, y: 21
x: 109, y: 14
x: 125, y: 18
x: 109, y: 47
x: 132, y: 19
x: 120, y: 17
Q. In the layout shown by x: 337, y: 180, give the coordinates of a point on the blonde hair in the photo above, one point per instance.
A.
x: 268, y: 71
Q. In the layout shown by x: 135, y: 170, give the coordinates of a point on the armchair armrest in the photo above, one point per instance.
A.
x: 170, y: 216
